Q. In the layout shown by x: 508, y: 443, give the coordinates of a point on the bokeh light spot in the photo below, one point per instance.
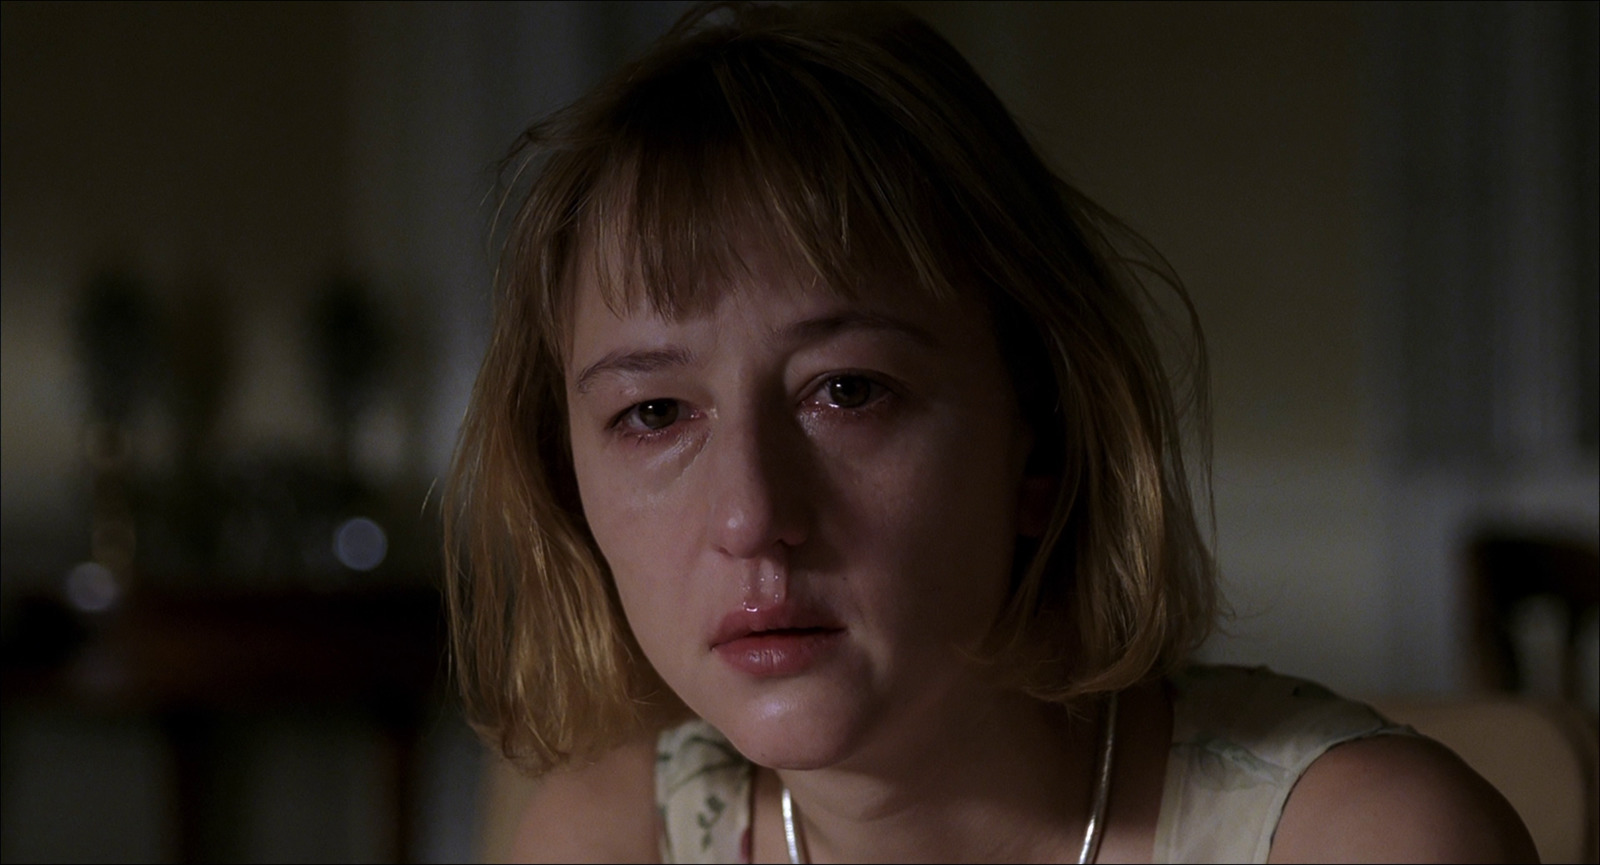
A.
x: 92, y: 587
x: 360, y: 544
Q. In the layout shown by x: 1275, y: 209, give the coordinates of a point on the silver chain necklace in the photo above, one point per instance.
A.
x: 1097, y: 809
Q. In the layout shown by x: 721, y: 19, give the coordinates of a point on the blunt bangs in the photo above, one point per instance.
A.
x: 735, y: 143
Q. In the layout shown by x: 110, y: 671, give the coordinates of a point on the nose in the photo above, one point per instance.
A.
x: 759, y: 489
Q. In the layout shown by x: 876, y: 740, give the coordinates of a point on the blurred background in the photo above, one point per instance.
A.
x: 244, y: 282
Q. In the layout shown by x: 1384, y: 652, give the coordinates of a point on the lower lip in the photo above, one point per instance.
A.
x: 778, y: 653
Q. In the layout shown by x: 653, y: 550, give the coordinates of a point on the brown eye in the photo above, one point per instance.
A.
x: 849, y: 391
x: 657, y: 413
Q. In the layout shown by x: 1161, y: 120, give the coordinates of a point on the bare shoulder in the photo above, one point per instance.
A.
x: 1397, y: 799
x: 597, y: 812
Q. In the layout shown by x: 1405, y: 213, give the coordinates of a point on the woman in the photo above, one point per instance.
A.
x: 822, y: 498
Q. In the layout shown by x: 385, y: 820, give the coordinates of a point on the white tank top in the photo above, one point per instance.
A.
x: 1241, y: 738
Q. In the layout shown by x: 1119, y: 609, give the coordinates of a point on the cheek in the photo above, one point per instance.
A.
x: 649, y: 540
x: 623, y: 513
x: 934, y: 522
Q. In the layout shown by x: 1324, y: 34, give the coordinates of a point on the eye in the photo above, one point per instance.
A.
x: 657, y: 414
x: 850, y: 391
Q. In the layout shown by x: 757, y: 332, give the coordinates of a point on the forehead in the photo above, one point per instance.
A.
x: 768, y: 311
x: 621, y: 271
x: 756, y: 279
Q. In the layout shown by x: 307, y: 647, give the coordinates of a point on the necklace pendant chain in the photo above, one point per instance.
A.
x: 791, y: 832
x: 1093, y: 830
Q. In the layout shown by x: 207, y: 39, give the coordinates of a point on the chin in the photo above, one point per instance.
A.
x: 799, y: 732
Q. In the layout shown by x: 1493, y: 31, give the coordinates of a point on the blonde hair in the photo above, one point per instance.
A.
x: 852, y: 139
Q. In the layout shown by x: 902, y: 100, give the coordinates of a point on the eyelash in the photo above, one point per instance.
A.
x: 878, y: 391
x: 879, y: 395
x: 619, y: 424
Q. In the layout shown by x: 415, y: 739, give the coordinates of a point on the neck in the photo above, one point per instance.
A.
x: 1010, y: 783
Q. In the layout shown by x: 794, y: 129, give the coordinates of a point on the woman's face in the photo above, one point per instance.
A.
x: 809, y: 504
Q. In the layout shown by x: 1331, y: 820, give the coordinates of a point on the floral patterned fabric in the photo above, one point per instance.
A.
x: 1241, y: 737
x: 703, y: 792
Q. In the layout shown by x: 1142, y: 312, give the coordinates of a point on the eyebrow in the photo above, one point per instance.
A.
x: 645, y: 361
x: 639, y: 361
